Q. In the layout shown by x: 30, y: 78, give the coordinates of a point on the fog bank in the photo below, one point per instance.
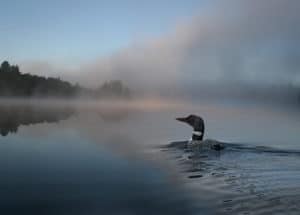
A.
x: 235, y: 42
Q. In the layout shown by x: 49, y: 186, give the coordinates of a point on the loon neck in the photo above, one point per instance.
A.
x: 197, y: 135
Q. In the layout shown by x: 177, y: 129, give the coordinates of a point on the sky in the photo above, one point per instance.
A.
x: 155, y: 44
x: 79, y: 30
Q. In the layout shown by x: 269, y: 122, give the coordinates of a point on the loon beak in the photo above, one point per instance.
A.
x: 181, y: 119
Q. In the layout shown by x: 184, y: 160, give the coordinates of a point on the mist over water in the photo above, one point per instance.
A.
x: 79, y: 158
x: 105, y: 157
x: 246, y: 46
x: 225, y: 119
x: 98, y: 135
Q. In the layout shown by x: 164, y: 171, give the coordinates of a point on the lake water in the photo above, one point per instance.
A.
x: 111, y: 158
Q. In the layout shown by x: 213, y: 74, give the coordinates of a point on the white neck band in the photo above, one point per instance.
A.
x: 197, y: 133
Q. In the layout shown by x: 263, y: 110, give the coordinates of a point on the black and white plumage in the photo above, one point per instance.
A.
x: 197, y: 123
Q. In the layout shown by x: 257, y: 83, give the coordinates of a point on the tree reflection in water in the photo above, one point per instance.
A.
x: 11, y: 117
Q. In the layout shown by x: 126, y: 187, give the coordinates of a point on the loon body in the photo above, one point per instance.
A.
x: 197, y: 123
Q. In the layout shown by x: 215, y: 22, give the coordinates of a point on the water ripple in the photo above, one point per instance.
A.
x: 242, y: 179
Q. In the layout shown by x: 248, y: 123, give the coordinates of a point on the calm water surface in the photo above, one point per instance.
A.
x: 95, y: 159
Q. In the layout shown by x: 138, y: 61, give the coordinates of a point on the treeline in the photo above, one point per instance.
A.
x: 15, y: 84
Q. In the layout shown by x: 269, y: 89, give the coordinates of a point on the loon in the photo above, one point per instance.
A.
x: 197, y: 123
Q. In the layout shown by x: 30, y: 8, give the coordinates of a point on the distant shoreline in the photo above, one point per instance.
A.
x: 13, y: 83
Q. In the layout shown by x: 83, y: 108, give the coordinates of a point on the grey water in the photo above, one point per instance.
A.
x: 96, y: 158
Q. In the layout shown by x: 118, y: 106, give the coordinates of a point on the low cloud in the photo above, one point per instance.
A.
x: 240, y: 41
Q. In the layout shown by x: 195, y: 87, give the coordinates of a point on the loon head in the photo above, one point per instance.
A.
x: 197, y: 123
